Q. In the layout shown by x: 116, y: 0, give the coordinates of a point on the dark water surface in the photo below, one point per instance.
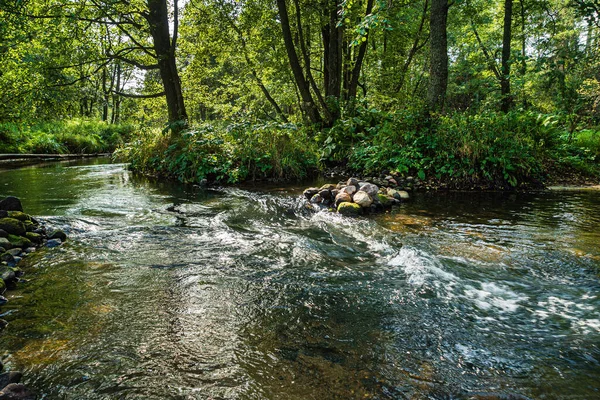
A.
x: 241, y: 294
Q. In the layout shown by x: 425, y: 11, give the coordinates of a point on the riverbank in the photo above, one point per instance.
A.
x: 63, y: 137
x: 489, y: 151
x: 20, y: 235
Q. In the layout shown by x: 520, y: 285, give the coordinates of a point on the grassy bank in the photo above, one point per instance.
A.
x: 63, y: 137
x: 490, y: 150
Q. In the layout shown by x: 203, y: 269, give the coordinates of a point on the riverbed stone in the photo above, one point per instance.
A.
x: 12, y: 226
x: 57, y: 234
x: 310, y: 192
x: 53, y: 243
x: 20, y: 215
x: 30, y: 250
x: 5, y: 243
x: 7, y: 378
x: 2, y: 286
x: 3, y: 324
x: 350, y: 189
x: 17, y: 391
x: 7, y: 257
x: 7, y: 274
x: 316, y: 199
x: 369, y: 188
x: 342, y: 197
x: 347, y: 208
x: 19, y: 241
x: 363, y: 199
x: 11, y: 203
x: 325, y: 194
x: 34, y: 237
x: 14, y: 251
x: 3, y: 300
x: 3, y: 233
x: 29, y: 226
x: 353, y: 182
x: 328, y: 186
x: 384, y: 200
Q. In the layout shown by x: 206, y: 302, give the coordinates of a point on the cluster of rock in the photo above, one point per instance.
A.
x: 355, y: 197
x: 20, y: 235
x: 10, y: 387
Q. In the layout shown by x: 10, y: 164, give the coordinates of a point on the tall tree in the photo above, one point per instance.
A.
x: 438, y: 67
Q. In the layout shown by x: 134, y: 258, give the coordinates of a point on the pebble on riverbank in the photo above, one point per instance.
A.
x: 20, y: 235
x: 355, y: 197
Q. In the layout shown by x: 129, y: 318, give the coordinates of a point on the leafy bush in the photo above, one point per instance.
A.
x: 225, y: 152
x: 502, y: 150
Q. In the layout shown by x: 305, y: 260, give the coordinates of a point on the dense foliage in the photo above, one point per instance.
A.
x: 63, y: 137
x: 497, y: 94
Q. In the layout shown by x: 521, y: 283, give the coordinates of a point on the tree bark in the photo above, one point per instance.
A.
x: 302, y: 84
x: 506, y: 102
x: 438, y: 67
x: 158, y: 18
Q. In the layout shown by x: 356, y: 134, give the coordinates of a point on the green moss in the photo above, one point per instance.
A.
x: 347, y: 208
x: 383, y: 199
x: 19, y: 241
x: 34, y: 237
x: 21, y: 216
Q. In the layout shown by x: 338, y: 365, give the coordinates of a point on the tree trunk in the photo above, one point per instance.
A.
x: 158, y: 18
x: 359, y: 59
x: 438, y: 68
x: 506, y: 103
x: 302, y: 84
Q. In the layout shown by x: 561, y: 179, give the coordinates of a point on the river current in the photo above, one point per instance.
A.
x: 167, y: 291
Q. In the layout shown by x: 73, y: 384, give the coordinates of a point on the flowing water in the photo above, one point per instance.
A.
x: 166, y: 291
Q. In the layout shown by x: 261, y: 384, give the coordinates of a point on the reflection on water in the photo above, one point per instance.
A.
x: 172, y: 292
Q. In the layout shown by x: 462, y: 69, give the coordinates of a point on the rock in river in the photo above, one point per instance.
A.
x: 11, y: 203
x: 53, y: 243
x: 58, y: 234
x: 16, y: 391
x: 12, y: 226
x: 363, y: 199
x: 347, y: 208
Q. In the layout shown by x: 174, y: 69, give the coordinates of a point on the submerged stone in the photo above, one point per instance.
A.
x: 53, y: 243
x: 17, y: 391
x: 58, y: 234
x: 310, y: 192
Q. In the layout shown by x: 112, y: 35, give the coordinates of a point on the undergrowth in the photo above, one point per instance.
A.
x: 62, y: 137
x: 225, y: 152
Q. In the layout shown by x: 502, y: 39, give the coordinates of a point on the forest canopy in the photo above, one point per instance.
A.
x: 319, y: 82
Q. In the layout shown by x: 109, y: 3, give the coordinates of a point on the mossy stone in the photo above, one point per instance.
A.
x: 34, y: 237
x: 12, y: 226
x: 20, y: 215
x: 29, y: 226
x: 2, y: 286
x: 19, y: 241
x: 5, y: 244
x: 347, y: 208
x: 384, y: 200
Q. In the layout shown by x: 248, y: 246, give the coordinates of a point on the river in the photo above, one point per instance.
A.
x: 167, y: 291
